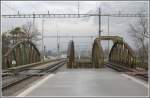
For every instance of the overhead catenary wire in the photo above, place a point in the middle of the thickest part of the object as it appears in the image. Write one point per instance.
(11, 8)
(69, 15)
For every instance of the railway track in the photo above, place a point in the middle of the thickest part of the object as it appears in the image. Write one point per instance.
(35, 73)
(133, 72)
(15, 70)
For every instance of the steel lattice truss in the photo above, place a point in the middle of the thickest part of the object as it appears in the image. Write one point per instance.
(23, 52)
(71, 55)
(121, 53)
(97, 54)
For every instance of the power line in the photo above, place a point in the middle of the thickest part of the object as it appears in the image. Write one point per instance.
(69, 15)
(13, 9)
(67, 36)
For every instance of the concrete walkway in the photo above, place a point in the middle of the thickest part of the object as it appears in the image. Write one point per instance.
(88, 82)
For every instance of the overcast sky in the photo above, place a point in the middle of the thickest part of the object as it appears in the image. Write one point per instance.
(74, 26)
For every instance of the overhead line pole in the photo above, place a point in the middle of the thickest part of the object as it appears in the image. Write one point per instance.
(33, 28)
(57, 44)
(78, 9)
(99, 22)
(108, 32)
(42, 40)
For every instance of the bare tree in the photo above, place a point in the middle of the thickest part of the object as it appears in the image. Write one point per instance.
(139, 31)
(31, 31)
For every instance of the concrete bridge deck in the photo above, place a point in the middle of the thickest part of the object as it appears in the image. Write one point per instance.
(87, 82)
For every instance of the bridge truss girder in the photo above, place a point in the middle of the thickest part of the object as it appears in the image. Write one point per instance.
(23, 52)
(121, 53)
(71, 55)
(97, 54)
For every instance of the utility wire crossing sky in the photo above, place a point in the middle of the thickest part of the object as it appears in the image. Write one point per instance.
(75, 26)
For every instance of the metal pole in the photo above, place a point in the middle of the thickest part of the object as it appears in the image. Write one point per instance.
(99, 22)
(108, 32)
(42, 40)
(33, 24)
(44, 51)
(57, 45)
(91, 46)
(78, 9)
(33, 20)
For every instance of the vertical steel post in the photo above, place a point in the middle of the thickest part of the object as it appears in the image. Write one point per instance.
(78, 9)
(108, 33)
(57, 45)
(44, 51)
(33, 23)
(42, 39)
(99, 22)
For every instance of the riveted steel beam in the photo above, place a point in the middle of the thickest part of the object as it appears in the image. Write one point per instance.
(122, 54)
(21, 53)
(71, 55)
(113, 38)
(97, 54)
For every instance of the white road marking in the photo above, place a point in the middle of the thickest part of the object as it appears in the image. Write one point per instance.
(27, 91)
(136, 80)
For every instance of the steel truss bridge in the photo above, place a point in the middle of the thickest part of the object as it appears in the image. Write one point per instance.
(25, 52)
(121, 53)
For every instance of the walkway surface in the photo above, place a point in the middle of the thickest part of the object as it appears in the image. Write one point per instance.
(88, 82)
